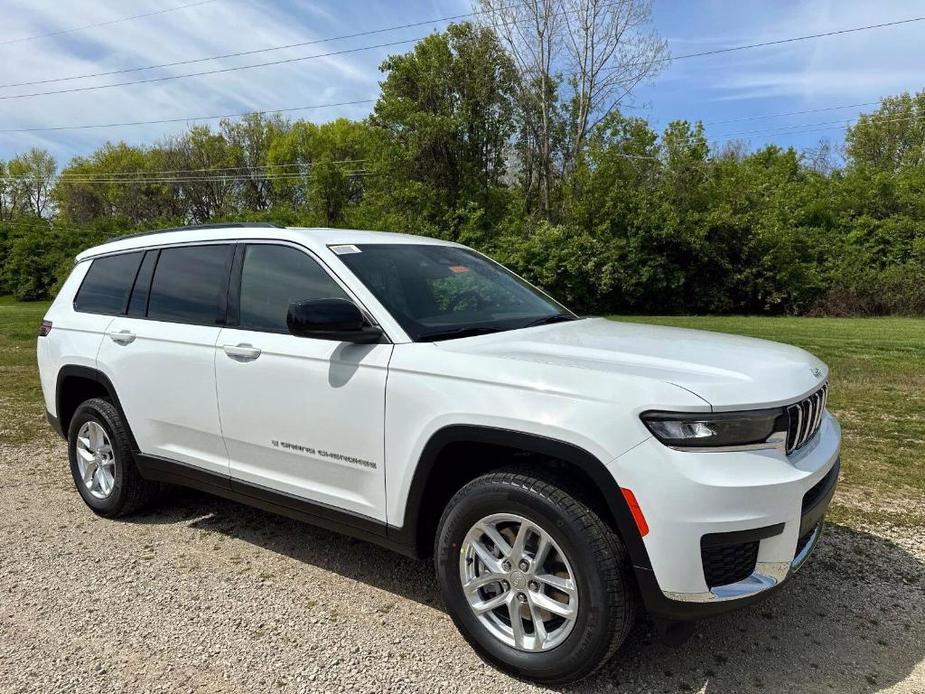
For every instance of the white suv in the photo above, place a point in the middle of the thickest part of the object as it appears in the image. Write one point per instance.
(414, 393)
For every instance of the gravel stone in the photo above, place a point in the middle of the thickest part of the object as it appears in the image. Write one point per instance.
(206, 595)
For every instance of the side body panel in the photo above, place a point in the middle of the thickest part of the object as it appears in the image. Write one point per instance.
(306, 417)
(431, 388)
(165, 379)
(75, 338)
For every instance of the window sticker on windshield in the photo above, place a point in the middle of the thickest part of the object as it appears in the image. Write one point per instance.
(458, 268)
(345, 249)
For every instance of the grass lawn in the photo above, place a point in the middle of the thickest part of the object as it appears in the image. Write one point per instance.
(877, 389)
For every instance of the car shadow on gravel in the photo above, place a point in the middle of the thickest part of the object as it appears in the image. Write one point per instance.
(852, 620)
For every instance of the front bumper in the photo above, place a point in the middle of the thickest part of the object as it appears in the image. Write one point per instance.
(773, 503)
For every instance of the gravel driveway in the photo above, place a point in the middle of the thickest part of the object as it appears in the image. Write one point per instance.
(208, 595)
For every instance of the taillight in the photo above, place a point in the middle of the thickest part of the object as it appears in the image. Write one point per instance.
(45, 329)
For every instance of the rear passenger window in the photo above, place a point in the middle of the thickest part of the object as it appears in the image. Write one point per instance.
(272, 277)
(107, 284)
(190, 284)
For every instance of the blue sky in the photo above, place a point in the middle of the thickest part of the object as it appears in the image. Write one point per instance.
(836, 71)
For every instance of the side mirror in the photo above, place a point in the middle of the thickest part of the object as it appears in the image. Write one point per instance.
(330, 319)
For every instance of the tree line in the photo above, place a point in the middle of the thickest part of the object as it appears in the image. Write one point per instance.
(527, 156)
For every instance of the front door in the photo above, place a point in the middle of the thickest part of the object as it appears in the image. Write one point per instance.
(300, 416)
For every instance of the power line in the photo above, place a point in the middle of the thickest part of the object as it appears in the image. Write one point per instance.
(230, 178)
(818, 127)
(395, 43)
(216, 71)
(185, 119)
(788, 113)
(793, 39)
(239, 54)
(103, 24)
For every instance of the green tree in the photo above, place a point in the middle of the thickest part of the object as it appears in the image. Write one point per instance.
(891, 138)
(447, 109)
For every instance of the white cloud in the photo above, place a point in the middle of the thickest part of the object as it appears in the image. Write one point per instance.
(210, 29)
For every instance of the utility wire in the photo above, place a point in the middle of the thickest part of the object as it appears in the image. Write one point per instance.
(395, 43)
(794, 39)
(239, 54)
(782, 115)
(7, 42)
(216, 71)
(186, 119)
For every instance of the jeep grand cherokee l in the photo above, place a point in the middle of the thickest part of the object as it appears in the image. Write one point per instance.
(414, 393)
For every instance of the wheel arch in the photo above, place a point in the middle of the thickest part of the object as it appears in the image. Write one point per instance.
(424, 492)
(77, 384)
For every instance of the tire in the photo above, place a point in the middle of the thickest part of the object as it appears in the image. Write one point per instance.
(125, 490)
(604, 591)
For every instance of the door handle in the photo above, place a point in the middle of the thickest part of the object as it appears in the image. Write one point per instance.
(242, 352)
(122, 337)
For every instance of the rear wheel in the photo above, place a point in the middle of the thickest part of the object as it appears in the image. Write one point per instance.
(102, 465)
(534, 579)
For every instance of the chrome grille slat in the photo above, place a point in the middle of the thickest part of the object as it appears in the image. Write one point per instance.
(806, 418)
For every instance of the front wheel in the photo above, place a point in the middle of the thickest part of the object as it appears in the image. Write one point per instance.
(536, 582)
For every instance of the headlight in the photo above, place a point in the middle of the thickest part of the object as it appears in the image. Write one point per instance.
(751, 429)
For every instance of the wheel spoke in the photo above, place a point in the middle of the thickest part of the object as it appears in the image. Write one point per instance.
(566, 585)
(96, 438)
(539, 627)
(89, 472)
(542, 550)
(545, 602)
(87, 455)
(517, 549)
(106, 481)
(483, 580)
(491, 603)
(492, 532)
(517, 622)
(492, 563)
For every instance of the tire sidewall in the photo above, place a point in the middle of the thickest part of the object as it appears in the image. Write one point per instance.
(104, 414)
(589, 639)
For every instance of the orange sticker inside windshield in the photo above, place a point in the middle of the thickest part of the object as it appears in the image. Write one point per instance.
(458, 268)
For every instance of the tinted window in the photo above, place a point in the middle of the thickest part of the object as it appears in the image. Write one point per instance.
(189, 284)
(107, 284)
(139, 301)
(272, 277)
(442, 292)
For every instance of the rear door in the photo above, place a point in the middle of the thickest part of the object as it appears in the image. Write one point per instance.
(160, 355)
(301, 416)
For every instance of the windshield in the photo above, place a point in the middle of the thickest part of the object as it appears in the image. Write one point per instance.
(444, 292)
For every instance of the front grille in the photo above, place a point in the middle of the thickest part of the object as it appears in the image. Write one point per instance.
(806, 418)
(727, 564)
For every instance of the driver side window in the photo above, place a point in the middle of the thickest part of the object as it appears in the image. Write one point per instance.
(272, 277)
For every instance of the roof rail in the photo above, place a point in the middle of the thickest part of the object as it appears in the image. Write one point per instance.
(191, 227)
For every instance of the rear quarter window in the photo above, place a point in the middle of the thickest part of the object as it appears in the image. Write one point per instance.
(106, 287)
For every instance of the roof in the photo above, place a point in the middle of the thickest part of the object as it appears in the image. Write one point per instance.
(312, 237)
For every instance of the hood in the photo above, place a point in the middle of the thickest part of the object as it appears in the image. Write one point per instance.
(727, 371)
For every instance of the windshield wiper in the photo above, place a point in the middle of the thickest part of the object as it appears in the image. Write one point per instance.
(466, 331)
(546, 320)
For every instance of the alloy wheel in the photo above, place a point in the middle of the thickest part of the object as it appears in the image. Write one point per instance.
(96, 461)
(518, 582)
